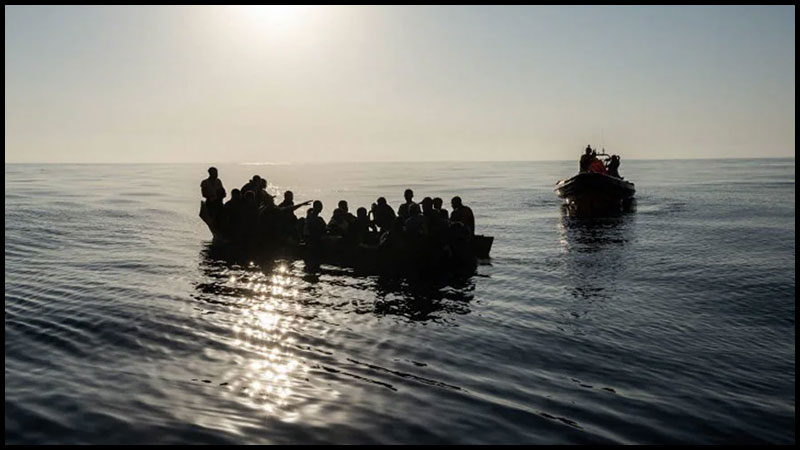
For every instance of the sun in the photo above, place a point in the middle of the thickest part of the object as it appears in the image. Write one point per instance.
(272, 20)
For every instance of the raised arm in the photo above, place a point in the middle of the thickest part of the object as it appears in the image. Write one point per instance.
(299, 205)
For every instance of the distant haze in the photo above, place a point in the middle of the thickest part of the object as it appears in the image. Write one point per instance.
(323, 83)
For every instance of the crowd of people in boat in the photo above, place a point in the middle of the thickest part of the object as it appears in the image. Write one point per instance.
(251, 215)
(591, 163)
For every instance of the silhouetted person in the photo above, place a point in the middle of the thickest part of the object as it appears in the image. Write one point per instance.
(434, 221)
(287, 226)
(428, 213)
(215, 204)
(263, 198)
(346, 212)
(462, 213)
(392, 243)
(613, 166)
(586, 159)
(459, 242)
(362, 229)
(341, 220)
(383, 215)
(249, 216)
(270, 218)
(288, 206)
(314, 227)
(210, 187)
(235, 200)
(249, 199)
(415, 224)
(437, 206)
(402, 211)
(337, 225)
(427, 206)
(288, 199)
(253, 185)
(213, 192)
(232, 211)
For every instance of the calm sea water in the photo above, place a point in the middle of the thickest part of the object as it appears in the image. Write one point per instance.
(675, 323)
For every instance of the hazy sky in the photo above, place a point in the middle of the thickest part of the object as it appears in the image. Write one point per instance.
(260, 84)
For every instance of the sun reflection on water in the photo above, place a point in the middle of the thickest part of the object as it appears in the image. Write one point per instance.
(263, 327)
(279, 327)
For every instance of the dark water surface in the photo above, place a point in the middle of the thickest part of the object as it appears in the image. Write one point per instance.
(672, 324)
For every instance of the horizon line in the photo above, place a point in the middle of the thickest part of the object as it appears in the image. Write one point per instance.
(279, 163)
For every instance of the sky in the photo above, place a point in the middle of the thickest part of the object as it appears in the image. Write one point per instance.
(228, 84)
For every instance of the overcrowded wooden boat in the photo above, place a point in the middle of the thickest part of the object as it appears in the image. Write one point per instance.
(459, 254)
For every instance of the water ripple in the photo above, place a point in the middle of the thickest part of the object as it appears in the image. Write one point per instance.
(671, 325)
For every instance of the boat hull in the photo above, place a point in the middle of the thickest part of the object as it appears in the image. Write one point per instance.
(596, 193)
(334, 250)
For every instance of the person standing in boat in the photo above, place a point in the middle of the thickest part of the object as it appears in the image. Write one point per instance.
(462, 213)
(211, 188)
(403, 210)
(211, 185)
(586, 159)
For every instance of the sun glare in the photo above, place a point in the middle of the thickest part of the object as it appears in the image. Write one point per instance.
(272, 19)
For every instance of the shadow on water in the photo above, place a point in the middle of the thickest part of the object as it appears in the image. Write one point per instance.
(595, 253)
(594, 234)
(422, 301)
(414, 298)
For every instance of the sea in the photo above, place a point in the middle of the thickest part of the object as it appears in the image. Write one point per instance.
(673, 323)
